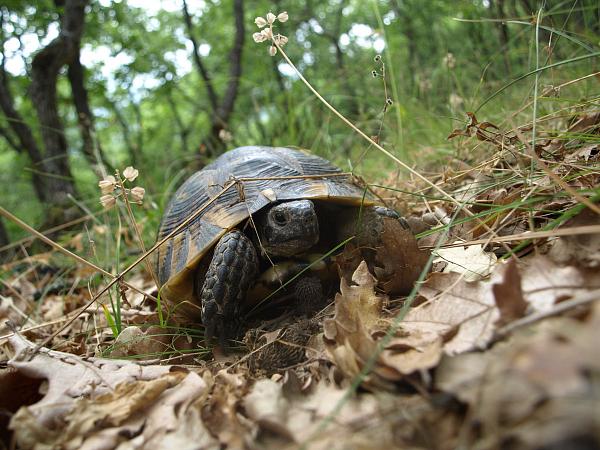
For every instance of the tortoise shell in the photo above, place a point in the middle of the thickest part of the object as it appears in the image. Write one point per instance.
(267, 169)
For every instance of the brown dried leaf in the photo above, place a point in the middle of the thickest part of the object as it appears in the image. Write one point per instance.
(584, 153)
(461, 312)
(466, 314)
(546, 283)
(350, 342)
(508, 295)
(423, 356)
(289, 416)
(535, 388)
(585, 121)
(397, 261)
(457, 132)
(104, 402)
(471, 261)
(581, 250)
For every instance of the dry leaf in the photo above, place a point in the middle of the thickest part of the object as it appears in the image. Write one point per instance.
(350, 336)
(546, 283)
(508, 295)
(471, 261)
(582, 249)
(396, 261)
(533, 390)
(106, 402)
(461, 312)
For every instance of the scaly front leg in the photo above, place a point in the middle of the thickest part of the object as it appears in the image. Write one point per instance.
(233, 268)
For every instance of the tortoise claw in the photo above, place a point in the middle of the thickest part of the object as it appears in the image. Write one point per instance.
(214, 328)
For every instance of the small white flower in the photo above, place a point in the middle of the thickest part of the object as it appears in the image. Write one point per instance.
(260, 22)
(281, 40)
(130, 173)
(271, 18)
(108, 184)
(108, 201)
(272, 50)
(137, 194)
(259, 37)
(225, 135)
(267, 33)
(449, 61)
(282, 17)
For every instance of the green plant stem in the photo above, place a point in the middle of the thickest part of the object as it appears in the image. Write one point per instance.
(535, 88)
(390, 64)
(525, 75)
(138, 235)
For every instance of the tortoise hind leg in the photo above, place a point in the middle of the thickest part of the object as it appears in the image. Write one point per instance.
(232, 270)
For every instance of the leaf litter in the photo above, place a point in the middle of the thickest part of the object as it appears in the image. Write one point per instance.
(496, 349)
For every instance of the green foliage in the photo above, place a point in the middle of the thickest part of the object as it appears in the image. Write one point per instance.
(442, 58)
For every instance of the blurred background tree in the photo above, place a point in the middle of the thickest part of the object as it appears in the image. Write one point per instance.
(87, 86)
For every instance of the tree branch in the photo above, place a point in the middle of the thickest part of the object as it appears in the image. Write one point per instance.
(24, 136)
(212, 95)
(9, 139)
(91, 147)
(45, 66)
(235, 64)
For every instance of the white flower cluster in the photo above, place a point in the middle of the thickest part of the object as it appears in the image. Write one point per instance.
(449, 61)
(109, 184)
(266, 34)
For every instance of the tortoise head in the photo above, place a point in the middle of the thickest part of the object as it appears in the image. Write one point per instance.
(288, 228)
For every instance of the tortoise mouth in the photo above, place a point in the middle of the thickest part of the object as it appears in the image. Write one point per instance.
(290, 247)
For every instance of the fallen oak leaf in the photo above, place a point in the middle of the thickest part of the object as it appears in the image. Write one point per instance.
(580, 250)
(471, 261)
(508, 295)
(535, 387)
(391, 252)
(103, 402)
(461, 312)
(351, 336)
(410, 359)
(468, 314)
(546, 283)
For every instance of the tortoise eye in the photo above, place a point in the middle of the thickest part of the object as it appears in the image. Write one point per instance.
(279, 218)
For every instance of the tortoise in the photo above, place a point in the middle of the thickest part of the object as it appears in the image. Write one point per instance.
(287, 203)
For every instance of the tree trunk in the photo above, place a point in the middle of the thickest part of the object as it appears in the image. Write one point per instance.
(408, 29)
(91, 147)
(45, 68)
(26, 141)
(212, 144)
(132, 148)
(202, 71)
(183, 130)
(5, 255)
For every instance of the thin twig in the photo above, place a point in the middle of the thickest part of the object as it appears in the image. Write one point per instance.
(561, 307)
(572, 231)
(60, 248)
(48, 231)
(556, 178)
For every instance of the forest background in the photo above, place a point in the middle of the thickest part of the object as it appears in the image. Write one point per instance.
(90, 87)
